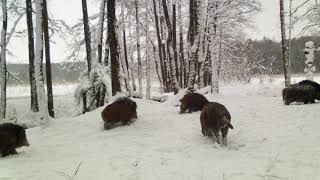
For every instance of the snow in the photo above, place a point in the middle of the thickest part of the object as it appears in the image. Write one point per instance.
(270, 141)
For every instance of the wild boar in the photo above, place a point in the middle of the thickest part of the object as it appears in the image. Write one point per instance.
(122, 110)
(305, 93)
(215, 118)
(12, 136)
(192, 102)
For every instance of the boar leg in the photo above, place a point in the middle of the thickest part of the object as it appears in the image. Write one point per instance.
(203, 131)
(125, 123)
(217, 136)
(182, 109)
(312, 101)
(9, 150)
(107, 126)
(208, 132)
(286, 102)
(224, 133)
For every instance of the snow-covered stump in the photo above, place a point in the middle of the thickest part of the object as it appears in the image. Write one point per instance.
(309, 52)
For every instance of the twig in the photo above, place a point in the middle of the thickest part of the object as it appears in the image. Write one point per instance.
(15, 78)
(67, 176)
(76, 172)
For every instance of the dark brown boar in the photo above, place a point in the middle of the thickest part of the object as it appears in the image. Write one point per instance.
(122, 110)
(12, 136)
(314, 84)
(305, 93)
(192, 102)
(215, 118)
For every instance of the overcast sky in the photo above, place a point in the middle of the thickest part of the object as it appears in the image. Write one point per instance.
(266, 23)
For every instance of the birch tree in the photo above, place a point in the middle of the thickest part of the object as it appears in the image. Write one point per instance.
(87, 35)
(159, 40)
(212, 29)
(174, 41)
(102, 89)
(194, 39)
(286, 69)
(148, 88)
(113, 43)
(170, 48)
(33, 87)
(133, 79)
(3, 68)
(124, 59)
(48, 58)
(101, 26)
(138, 48)
(183, 79)
(43, 106)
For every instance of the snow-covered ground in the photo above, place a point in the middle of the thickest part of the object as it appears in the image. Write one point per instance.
(270, 141)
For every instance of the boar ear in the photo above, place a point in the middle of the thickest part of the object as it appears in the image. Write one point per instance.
(230, 126)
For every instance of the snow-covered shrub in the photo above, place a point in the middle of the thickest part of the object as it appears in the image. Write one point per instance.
(90, 85)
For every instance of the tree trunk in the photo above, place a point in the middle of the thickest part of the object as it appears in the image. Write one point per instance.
(194, 40)
(101, 25)
(163, 73)
(290, 34)
(133, 79)
(43, 109)
(125, 51)
(181, 46)
(157, 66)
(87, 35)
(286, 69)
(212, 29)
(87, 38)
(106, 53)
(148, 88)
(203, 48)
(101, 90)
(48, 60)
(3, 68)
(174, 39)
(138, 48)
(113, 43)
(33, 87)
(170, 49)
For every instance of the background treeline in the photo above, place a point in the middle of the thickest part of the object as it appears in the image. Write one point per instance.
(271, 53)
(61, 72)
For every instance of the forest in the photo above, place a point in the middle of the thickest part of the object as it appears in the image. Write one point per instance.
(159, 89)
